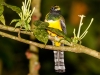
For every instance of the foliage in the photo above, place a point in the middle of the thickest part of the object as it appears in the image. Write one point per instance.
(14, 8)
(24, 13)
(40, 32)
(2, 20)
(77, 38)
(76, 63)
(40, 29)
(1, 7)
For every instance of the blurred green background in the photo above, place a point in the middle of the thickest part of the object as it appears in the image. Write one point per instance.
(12, 52)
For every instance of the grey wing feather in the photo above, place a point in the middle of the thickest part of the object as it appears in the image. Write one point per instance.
(63, 26)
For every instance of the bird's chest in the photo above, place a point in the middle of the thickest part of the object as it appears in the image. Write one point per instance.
(55, 24)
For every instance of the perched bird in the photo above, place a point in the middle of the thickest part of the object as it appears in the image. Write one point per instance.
(55, 20)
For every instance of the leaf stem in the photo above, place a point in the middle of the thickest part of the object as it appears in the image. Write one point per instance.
(80, 25)
(86, 30)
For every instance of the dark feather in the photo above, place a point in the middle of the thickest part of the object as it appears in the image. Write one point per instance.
(63, 26)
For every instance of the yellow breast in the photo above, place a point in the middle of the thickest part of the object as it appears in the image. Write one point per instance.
(55, 24)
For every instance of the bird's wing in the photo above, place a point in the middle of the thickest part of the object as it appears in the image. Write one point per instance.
(63, 26)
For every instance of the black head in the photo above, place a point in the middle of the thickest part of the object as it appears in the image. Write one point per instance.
(55, 9)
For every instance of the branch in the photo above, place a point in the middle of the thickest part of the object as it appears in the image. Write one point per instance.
(75, 48)
(12, 29)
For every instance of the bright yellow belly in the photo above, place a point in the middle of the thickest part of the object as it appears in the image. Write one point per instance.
(56, 25)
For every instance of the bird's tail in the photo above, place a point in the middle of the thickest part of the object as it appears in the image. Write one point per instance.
(59, 61)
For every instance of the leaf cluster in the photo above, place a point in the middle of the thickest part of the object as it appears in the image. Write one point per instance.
(40, 27)
(40, 31)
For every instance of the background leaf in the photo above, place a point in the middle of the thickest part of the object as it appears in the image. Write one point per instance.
(14, 8)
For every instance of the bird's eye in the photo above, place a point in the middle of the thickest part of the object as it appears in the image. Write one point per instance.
(53, 8)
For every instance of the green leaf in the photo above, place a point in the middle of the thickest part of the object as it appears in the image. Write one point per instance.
(14, 8)
(68, 39)
(59, 33)
(18, 24)
(56, 31)
(27, 26)
(2, 19)
(22, 23)
(1, 9)
(37, 23)
(1, 1)
(41, 24)
(41, 35)
(14, 20)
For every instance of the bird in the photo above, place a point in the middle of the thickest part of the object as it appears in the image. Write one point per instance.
(56, 20)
